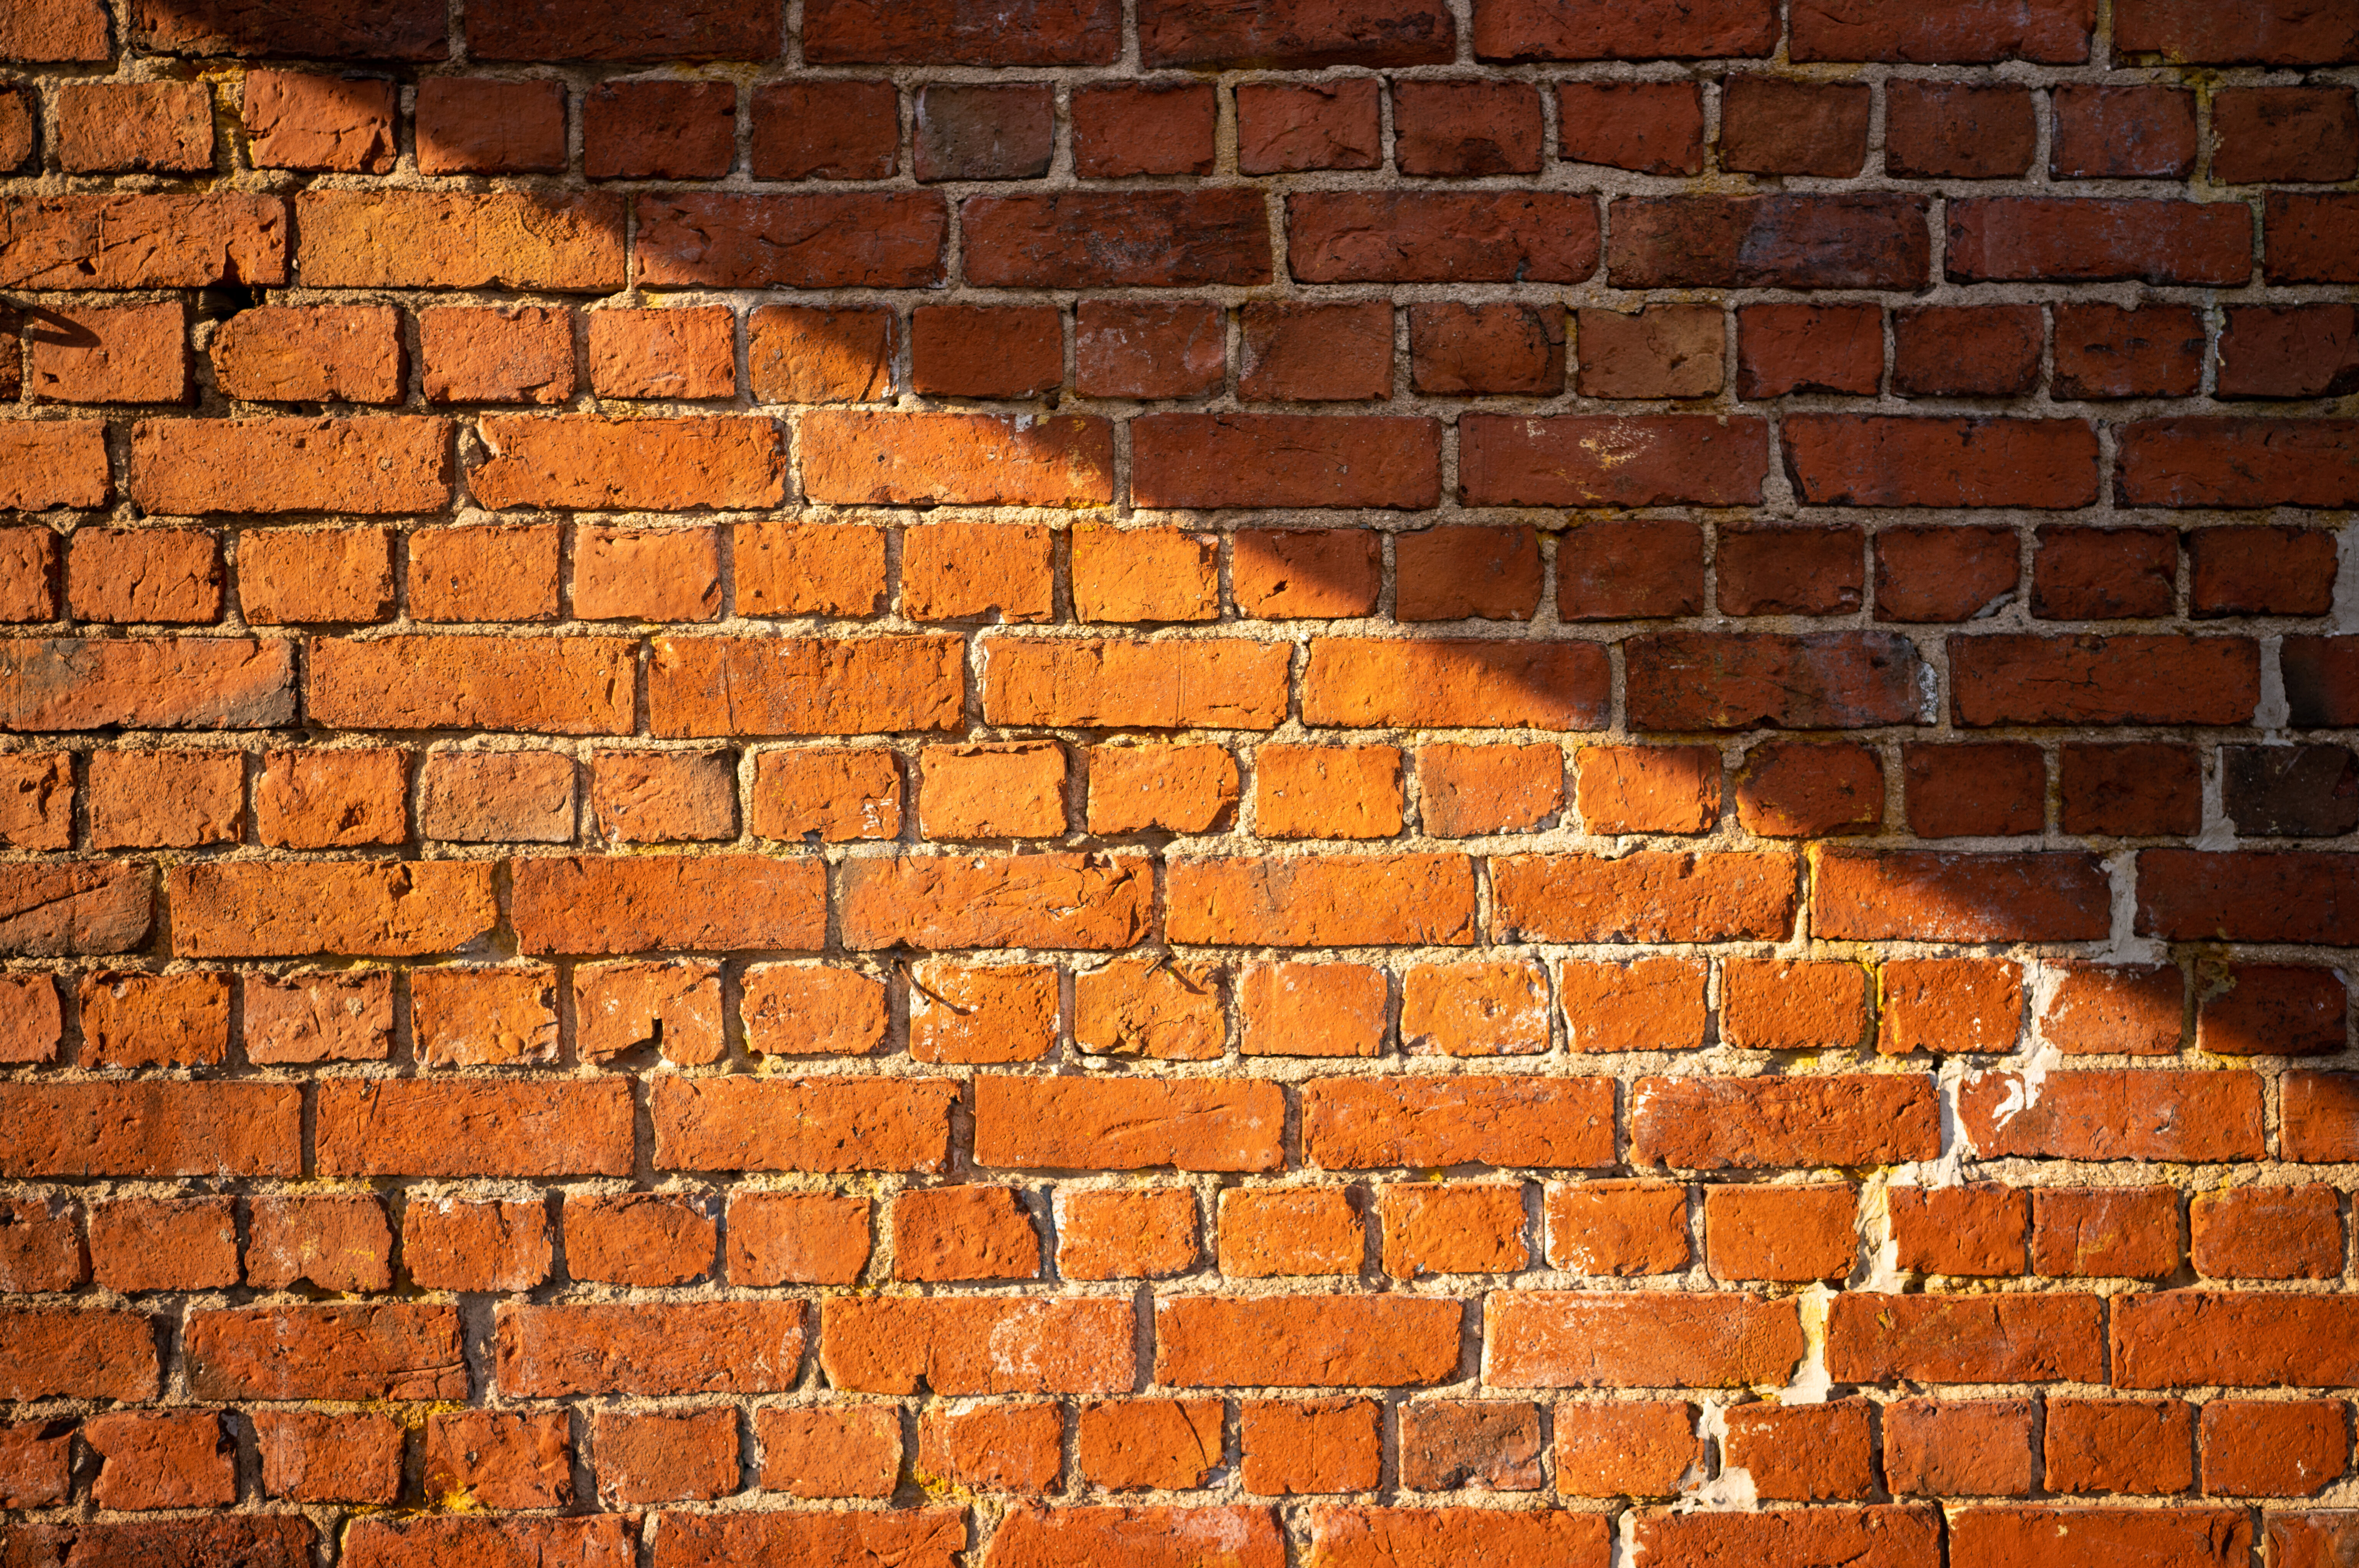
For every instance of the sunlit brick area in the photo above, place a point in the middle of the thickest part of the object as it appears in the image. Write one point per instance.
(1177, 783)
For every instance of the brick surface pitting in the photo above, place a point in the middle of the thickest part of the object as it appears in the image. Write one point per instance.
(1356, 782)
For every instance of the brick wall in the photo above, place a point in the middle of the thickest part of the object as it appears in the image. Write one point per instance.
(1357, 782)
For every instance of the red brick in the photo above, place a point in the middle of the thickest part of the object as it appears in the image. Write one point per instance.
(984, 133)
(2321, 1117)
(1170, 238)
(49, 31)
(1890, 1537)
(1583, 460)
(1460, 1228)
(638, 1239)
(1785, 570)
(2105, 1232)
(78, 1354)
(2194, 32)
(171, 576)
(149, 241)
(2105, 350)
(773, 1124)
(798, 686)
(1973, 1448)
(845, 1451)
(374, 466)
(497, 796)
(2313, 669)
(1610, 570)
(684, 353)
(475, 125)
(518, 353)
(2188, 895)
(802, 1238)
(2123, 132)
(1803, 1452)
(968, 351)
(1791, 1233)
(34, 1024)
(1162, 1537)
(1809, 348)
(2260, 572)
(164, 1244)
(1177, 788)
(2133, 1011)
(2052, 32)
(2137, 1446)
(1304, 1341)
(2267, 1233)
(1128, 1124)
(1097, 902)
(656, 797)
(1992, 790)
(1152, 1009)
(350, 354)
(1647, 1004)
(54, 463)
(435, 239)
(1144, 574)
(307, 1457)
(1311, 1009)
(703, 29)
(902, 459)
(1474, 349)
(975, 1345)
(884, 239)
(977, 1013)
(1266, 1233)
(1125, 1233)
(1144, 128)
(2271, 1010)
(1951, 1005)
(2280, 1448)
(2096, 574)
(1663, 351)
(1689, 681)
(1465, 129)
(1964, 1339)
(1608, 1229)
(1976, 1232)
(1947, 572)
(1365, 1124)
(1767, 1004)
(29, 574)
(161, 1460)
(2302, 351)
(1966, 351)
(1532, 29)
(1881, 461)
(1769, 242)
(1957, 130)
(1313, 353)
(1436, 237)
(332, 800)
(1647, 896)
(678, 1348)
(137, 126)
(1718, 1124)
(1299, 36)
(809, 569)
(1639, 1448)
(664, 130)
(1147, 1444)
(1773, 126)
(290, 910)
(2119, 1114)
(2180, 1338)
(1654, 127)
(2284, 132)
(993, 1448)
(1284, 460)
(676, 1005)
(2238, 462)
(1935, 896)
(405, 1351)
(1476, 1009)
(484, 1459)
(178, 799)
(825, 130)
(1309, 1446)
(1548, 1339)
(1366, 682)
(2088, 239)
(1287, 127)
(48, 911)
(453, 1244)
(1484, 1445)
(961, 32)
(336, 1242)
(1321, 791)
(122, 353)
(1468, 791)
(474, 1128)
(1147, 349)
(1328, 901)
(40, 1248)
(665, 1457)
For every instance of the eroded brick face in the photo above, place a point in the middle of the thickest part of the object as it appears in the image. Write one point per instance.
(1354, 782)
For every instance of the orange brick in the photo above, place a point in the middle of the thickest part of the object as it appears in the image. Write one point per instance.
(335, 1243)
(2268, 1233)
(330, 799)
(169, 576)
(158, 799)
(1978, 1231)
(29, 574)
(315, 576)
(485, 1018)
(1644, 1448)
(673, 1005)
(796, 1239)
(1802, 1453)
(1177, 788)
(810, 569)
(1309, 1446)
(1145, 574)
(639, 1238)
(802, 1009)
(655, 797)
(1136, 1445)
(1768, 1003)
(968, 571)
(685, 354)
(994, 1448)
(1950, 1004)
(1792, 1233)
(1316, 574)
(1647, 1003)
(1476, 1009)
(646, 574)
(979, 1013)
(1126, 1234)
(1647, 788)
(490, 1460)
(665, 1457)
(1012, 790)
(1311, 1009)
(501, 572)
(1271, 1231)
(827, 794)
(111, 353)
(347, 353)
(1466, 790)
(1150, 1008)
(803, 355)
(36, 798)
(515, 354)
(950, 1233)
(153, 1021)
(1327, 792)
(1457, 1227)
(841, 1451)
(1958, 1448)
(1617, 1227)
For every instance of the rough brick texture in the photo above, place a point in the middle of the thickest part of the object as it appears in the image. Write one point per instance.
(1011, 783)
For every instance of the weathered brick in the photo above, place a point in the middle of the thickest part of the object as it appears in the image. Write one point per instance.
(1093, 901)
(1114, 239)
(679, 1348)
(831, 1124)
(419, 239)
(1369, 682)
(1128, 1124)
(956, 1346)
(1840, 1119)
(395, 1351)
(2114, 1113)
(120, 240)
(1421, 1121)
(293, 910)
(1548, 1339)
(474, 1126)
(1590, 460)
(1328, 901)
(1938, 895)
(1875, 241)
